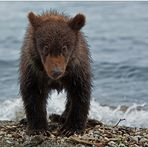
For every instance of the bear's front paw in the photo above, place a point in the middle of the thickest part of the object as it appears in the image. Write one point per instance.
(68, 130)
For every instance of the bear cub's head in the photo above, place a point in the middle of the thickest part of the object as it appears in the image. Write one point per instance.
(55, 37)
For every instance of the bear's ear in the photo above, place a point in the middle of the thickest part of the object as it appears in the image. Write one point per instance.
(77, 22)
(34, 20)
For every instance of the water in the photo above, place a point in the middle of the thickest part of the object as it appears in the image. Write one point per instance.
(117, 33)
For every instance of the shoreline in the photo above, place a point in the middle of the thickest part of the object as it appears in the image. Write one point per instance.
(96, 134)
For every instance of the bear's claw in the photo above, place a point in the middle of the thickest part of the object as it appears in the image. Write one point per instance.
(68, 131)
(38, 132)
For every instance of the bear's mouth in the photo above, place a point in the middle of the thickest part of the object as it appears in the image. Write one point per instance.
(55, 76)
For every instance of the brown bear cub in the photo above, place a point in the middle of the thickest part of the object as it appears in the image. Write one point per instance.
(55, 55)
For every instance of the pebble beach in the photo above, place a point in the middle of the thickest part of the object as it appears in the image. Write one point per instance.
(96, 134)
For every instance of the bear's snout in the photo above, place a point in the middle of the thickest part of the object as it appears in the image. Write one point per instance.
(55, 66)
(56, 73)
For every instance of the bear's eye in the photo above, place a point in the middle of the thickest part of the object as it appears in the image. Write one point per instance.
(45, 50)
(64, 49)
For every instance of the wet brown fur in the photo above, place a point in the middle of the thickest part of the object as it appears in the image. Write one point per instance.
(54, 40)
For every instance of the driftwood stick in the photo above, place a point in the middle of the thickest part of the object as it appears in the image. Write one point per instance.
(74, 139)
(119, 122)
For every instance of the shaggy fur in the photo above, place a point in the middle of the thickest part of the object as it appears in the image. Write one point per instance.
(54, 41)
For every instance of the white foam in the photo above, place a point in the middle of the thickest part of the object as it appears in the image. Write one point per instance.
(132, 116)
(13, 110)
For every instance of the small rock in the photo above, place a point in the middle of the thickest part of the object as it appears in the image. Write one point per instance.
(91, 132)
(135, 138)
(106, 139)
(8, 141)
(108, 135)
(96, 134)
(138, 133)
(52, 136)
(62, 140)
(142, 140)
(9, 135)
(120, 132)
(126, 142)
(16, 136)
(112, 143)
(146, 135)
(126, 135)
(134, 145)
(97, 126)
(113, 131)
(1, 132)
(121, 145)
(101, 137)
(146, 144)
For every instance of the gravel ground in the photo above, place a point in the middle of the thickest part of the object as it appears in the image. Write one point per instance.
(96, 134)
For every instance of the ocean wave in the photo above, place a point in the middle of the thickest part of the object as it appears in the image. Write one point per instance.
(120, 70)
(135, 115)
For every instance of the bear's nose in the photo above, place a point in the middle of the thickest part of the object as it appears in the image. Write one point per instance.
(56, 72)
